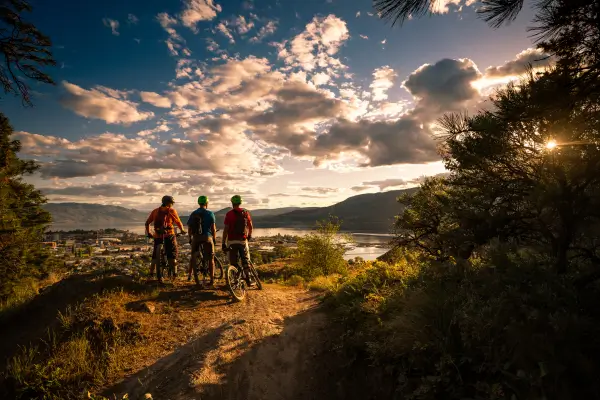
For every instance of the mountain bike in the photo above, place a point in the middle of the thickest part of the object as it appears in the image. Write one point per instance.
(163, 269)
(201, 268)
(239, 280)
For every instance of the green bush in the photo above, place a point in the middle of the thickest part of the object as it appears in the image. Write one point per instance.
(458, 331)
(322, 252)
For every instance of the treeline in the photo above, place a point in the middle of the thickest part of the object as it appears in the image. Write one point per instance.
(492, 290)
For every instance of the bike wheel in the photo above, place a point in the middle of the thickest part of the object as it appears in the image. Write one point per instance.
(236, 283)
(196, 268)
(255, 276)
(218, 268)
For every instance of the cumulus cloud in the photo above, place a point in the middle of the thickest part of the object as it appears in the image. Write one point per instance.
(383, 79)
(222, 27)
(320, 79)
(112, 24)
(320, 40)
(175, 43)
(404, 141)
(95, 103)
(198, 10)
(155, 99)
(241, 25)
(443, 87)
(535, 58)
(268, 29)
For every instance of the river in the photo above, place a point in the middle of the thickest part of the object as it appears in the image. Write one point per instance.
(369, 246)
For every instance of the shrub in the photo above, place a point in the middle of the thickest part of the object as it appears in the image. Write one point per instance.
(322, 252)
(455, 331)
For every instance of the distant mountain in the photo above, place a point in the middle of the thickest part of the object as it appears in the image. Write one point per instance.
(371, 212)
(81, 214)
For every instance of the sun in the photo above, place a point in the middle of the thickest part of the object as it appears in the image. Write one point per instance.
(551, 144)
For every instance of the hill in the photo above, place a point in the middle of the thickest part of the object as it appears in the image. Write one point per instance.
(93, 214)
(371, 212)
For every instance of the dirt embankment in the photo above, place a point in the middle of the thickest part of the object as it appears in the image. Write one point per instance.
(277, 344)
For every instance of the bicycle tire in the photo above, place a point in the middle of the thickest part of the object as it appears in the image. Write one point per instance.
(218, 268)
(259, 285)
(236, 283)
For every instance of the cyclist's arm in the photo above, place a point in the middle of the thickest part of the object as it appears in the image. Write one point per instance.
(225, 231)
(213, 230)
(177, 220)
(149, 221)
(250, 226)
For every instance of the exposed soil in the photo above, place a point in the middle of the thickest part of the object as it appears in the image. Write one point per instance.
(200, 344)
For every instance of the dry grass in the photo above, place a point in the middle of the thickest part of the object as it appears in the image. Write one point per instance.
(101, 341)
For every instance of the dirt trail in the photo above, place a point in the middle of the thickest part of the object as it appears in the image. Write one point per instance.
(262, 348)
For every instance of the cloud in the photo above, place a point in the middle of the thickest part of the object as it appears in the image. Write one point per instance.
(98, 190)
(161, 127)
(175, 43)
(364, 37)
(112, 24)
(165, 20)
(360, 188)
(404, 141)
(321, 190)
(529, 57)
(94, 103)
(222, 27)
(357, 14)
(268, 29)
(445, 86)
(242, 26)
(155, 99)
(320, 79)
(386, 183)
(320, 40)
(383, 79)
(132, 19)
(198, 10)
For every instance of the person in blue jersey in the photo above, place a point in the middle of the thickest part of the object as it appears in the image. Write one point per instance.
(202, 232)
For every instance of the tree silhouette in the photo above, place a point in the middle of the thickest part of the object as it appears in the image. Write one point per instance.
(25, 50)
(495, 12)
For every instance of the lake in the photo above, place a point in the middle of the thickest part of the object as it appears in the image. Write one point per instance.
(370, 245)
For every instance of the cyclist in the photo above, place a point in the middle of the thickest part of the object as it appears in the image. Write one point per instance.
(237, 232)
(202, 232)
(163, 218)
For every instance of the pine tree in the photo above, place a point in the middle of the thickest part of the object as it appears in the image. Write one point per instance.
(22, 218)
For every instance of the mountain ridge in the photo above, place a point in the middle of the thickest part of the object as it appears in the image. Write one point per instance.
(369, 212)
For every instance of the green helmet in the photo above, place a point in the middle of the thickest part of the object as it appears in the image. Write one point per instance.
(202, 200)
(237, 199)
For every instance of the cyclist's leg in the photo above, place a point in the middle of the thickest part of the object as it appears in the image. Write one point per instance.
(245, 256)
(171, 253)
(233, 254)
(208, 252)
(194, 256)
(154, 262)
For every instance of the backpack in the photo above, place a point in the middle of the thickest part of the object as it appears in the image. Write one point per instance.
(195, 223)
(162, 223)
(241, 222)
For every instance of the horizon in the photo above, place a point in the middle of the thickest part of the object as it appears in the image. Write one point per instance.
(302, 106)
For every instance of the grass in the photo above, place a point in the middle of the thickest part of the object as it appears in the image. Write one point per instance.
(95, 342)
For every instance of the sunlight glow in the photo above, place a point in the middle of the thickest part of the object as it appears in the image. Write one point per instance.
(551, 144)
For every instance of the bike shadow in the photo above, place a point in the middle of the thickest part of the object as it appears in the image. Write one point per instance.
(185, 297)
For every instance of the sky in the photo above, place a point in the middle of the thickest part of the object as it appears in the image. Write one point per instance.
(287, 103)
